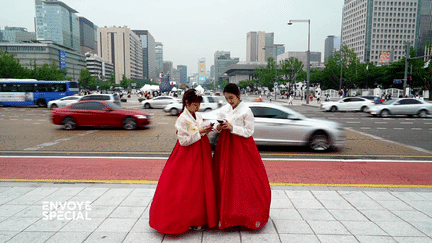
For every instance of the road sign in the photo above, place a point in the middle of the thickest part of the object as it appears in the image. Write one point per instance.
(276, 84)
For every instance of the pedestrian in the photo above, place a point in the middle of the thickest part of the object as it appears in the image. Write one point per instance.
(185, 194)
(242, 188)
(291, 98)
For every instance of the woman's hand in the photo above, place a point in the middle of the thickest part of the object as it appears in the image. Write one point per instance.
(227, 125)
(204, 130)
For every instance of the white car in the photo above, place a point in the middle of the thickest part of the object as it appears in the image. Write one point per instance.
(63, 101)
(279, 125)
(158, 102)
(209, 103)
(403, 106)
(348, 104)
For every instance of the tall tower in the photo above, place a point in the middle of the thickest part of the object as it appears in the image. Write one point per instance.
(259, 46)
(159, 58)
(121, 47)
(372, 28)
(149, 54)
(331, 44)
(58, 22)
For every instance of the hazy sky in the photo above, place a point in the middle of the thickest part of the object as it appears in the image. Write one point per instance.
(193, 29)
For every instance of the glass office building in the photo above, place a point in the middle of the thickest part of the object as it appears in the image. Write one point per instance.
(57, 22)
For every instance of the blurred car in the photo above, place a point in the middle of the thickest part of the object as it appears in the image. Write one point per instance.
(347, 104)
(98, 114)
(278, 125)
(209, 103)
(158, 102)
(402, 106)
(376, 99)
(63, 101)
(114, 98)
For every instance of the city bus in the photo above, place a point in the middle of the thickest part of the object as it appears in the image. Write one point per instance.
(27, 92)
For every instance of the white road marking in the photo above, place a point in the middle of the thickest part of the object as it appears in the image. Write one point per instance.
(407, 123)
(416, 128)
(399, 128)
(381, 128)
(365, 128)
(381, 122)
(43, 145)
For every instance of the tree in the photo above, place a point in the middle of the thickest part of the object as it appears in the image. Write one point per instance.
(125, 82)
(268, 75)
(86, 80)
(49, 72)
(10, 66)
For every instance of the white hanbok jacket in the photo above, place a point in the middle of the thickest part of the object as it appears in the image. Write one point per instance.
(241, 118)
(188, 128)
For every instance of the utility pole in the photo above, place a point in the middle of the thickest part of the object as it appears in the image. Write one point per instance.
(406, 67)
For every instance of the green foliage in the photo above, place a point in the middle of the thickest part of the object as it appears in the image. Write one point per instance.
(247, 83)
(86, 80)
(10, 66)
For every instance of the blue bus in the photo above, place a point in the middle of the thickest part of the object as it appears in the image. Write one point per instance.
(23, 92)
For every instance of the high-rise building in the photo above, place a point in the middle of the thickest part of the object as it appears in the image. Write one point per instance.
(331, 44)
(259, 46)
(149, 54)
(425, 27)
(121, 47)
(159, 57)
(88, 36)
(222, 60)
(17, 35)
(57, 22)
(183, 73)
(167, 67)
(374, 27)
(279, 49)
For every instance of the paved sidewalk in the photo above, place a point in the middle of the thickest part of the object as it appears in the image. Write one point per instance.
(119, 213)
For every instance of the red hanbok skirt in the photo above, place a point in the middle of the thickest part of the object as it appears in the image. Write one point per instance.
(243, 193)
(185, 194)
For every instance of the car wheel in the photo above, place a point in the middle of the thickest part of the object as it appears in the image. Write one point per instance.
(69, 123)
(129, 123)
(333, 109)
(53, 106)
(41, 103)
(363, 109)
(385, 113)
(422, 113)
(147, 105)
(174, 112)
(208, 109)
(319, 142)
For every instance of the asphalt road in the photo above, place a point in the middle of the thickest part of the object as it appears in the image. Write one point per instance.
(28, 131)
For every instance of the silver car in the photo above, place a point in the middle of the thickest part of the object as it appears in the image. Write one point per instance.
(278, 125)
(402, 106)
(63, 101)
(158, 102)
(348, 104)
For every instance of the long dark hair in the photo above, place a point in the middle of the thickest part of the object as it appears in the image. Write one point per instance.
(190, 96)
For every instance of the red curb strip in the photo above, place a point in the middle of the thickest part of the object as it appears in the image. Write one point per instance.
(280, 172)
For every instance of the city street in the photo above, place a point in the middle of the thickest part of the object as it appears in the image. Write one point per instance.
(28, 131)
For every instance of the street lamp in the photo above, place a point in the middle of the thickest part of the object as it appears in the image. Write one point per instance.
(308, 54)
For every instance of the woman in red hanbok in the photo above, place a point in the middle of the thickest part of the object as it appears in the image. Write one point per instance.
(243, 192)
(185, 194)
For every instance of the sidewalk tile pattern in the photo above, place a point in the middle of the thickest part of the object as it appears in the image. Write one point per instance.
(120, 213)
